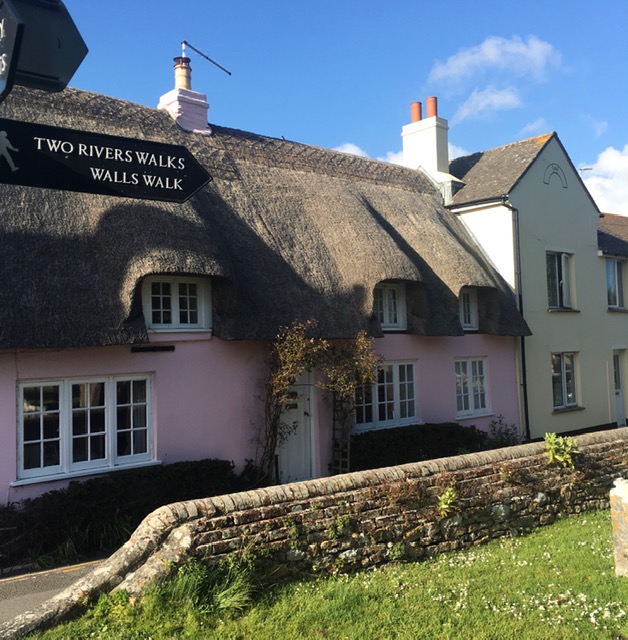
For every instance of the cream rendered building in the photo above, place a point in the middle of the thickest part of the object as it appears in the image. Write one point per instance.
(529, 210)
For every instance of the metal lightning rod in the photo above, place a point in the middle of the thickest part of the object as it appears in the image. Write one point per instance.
(200, 53)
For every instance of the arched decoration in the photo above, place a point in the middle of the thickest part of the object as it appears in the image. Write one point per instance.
(554, 169)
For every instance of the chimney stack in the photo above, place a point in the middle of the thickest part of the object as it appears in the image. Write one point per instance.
(426, 146)
(188, 108)
(425, 141)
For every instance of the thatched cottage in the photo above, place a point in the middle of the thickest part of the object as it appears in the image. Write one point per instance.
(136, 331)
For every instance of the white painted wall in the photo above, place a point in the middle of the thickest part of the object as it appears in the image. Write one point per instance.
(557, 217)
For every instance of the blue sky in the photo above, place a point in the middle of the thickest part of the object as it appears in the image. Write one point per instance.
(342, 73)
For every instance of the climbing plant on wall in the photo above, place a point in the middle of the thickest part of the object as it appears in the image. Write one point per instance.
(342, 365)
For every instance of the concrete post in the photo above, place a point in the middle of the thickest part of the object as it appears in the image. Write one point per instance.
(619, 517)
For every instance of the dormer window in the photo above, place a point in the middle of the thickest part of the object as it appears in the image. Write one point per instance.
(389, 306)
(176, 303)
(468, 305)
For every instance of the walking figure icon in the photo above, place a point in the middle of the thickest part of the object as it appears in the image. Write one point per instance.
(5, 147)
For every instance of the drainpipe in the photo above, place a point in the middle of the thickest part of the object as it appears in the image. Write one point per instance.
(518, 285)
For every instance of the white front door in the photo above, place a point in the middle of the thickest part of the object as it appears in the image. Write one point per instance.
(295, 454)
(618, 377)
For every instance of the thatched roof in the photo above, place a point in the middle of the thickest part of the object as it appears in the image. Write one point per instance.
(286, 231)
(612, 234)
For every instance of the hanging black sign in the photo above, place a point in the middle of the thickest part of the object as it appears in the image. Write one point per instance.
(37, 155)
(11, 30)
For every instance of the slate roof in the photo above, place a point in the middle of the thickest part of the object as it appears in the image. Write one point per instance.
(492, 174)
(612, 234)
(286, 232)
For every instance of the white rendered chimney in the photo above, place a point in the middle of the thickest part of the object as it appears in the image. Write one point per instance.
(188, 108)
(426, 146)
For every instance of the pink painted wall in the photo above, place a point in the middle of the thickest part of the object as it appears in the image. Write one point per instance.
(206, 392)
(434, 357)
(205, 397)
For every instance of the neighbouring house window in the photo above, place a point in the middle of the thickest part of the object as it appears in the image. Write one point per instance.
(468, 306)
(615, 283)
(471, 387)
(559, 280)
(177, 304)
(564, 380)
(389, 305)
(69, 426)
(391, 401)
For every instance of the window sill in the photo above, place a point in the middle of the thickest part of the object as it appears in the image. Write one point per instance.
(82, 474)
(389, 329)
(617, 310)
(170, 335)
(562, 310)
(473, 416)
(568, 409)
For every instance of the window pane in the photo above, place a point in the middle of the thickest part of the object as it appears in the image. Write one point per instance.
(32, 428)
(123, 418)
(139, 417)
(32, 456)
(611, 283)
(139, 391)
(123, 392)
(51, 454)
(124, 443)
(31, 399)
(570, 383)
(97, 447)
(79, 450)
(557, 380)
(97, 421)
(553, 279)
(139, 441)
(79, 422)
(51, 426)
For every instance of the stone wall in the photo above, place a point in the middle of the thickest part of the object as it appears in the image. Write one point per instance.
(358, 520)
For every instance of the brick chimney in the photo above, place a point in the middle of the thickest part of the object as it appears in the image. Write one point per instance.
(188, 108)
(426, 146)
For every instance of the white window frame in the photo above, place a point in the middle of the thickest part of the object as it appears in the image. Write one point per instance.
(468, 308)
(176, 299)
(564, 369)
(559, 281)
(389, 306)
(472, 390)
(391, 401)
(615, 283)
(138, 410)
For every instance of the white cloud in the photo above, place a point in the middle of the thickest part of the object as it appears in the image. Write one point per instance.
(480, 103)
(523, 58)
(600, 127)
(349, 147)
(534, 128)
(456, 152)
(608, 180)
(394, 157)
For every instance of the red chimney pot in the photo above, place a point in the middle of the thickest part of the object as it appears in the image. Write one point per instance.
(432, 106)
(417, 111)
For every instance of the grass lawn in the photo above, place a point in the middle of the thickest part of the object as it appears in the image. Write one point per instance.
(557, 582)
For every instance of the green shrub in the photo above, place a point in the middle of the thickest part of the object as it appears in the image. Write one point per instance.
(388, 447)
(96, 516)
